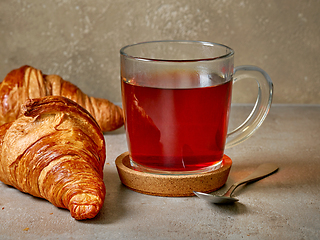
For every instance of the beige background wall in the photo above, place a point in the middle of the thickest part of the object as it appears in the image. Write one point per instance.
(80, 39)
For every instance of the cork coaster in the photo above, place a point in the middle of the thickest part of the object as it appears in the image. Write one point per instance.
(171, 185)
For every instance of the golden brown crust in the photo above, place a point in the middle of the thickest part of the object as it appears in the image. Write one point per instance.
(28, 83)
(11, 88)
(55, 150)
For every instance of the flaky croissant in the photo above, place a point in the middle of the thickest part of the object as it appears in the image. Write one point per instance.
(27, 83)
(55, 150)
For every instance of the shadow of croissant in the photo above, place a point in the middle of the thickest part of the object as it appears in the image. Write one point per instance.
(113, 209)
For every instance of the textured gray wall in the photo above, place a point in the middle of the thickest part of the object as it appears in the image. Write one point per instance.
(80, 39)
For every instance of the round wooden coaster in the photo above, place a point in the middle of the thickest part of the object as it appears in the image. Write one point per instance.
(171, 185)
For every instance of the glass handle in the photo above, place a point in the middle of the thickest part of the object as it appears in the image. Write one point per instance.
(261, 107)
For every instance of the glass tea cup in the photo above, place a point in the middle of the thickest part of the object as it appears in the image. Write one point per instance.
(176, 98)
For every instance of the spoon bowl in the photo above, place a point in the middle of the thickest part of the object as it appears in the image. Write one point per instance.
(262, 171)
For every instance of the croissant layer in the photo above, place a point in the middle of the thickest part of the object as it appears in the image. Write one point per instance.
(27, 82)
(55, 150)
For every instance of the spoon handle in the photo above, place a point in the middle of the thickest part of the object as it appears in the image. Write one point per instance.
(261, 172)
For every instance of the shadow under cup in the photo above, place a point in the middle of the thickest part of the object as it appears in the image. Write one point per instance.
(176, 98)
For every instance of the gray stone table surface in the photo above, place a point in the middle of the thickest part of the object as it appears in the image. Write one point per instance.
(284, 205)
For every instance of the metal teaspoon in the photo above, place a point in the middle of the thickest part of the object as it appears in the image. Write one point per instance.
(261, 172)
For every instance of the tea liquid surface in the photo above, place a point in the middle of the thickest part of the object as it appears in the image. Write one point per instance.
(179, 126)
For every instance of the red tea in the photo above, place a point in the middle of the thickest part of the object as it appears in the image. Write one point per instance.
(180, 126)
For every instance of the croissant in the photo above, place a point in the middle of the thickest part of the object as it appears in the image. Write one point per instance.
(55, 150)
(27, 83)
